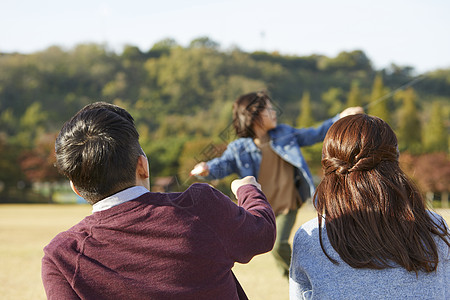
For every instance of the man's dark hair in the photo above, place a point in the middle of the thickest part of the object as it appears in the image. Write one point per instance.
(98, 149)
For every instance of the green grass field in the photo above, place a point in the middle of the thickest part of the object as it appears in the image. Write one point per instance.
(26, 229)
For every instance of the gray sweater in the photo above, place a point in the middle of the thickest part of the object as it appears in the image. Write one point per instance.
(314, 276)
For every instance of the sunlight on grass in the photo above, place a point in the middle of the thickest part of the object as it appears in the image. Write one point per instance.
(26, 229)
(260, 278)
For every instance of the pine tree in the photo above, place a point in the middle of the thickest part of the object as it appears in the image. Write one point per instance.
(305, 119)
(435, 137)
(409, 126)
(334, 99)
(354, 96)
(378, 105)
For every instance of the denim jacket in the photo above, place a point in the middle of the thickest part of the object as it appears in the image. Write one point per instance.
(243, 157)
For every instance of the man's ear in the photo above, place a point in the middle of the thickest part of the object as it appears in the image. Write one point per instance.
(142, 169)
(143, 172)
(74, 189)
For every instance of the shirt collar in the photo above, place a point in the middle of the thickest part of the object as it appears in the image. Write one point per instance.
(249, 145)
(119, 198)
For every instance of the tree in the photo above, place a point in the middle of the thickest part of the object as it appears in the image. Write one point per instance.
(186, 79)
(116, 88)
(305, 119)
(204, 42)
(8, 123)
(186, 93)
(409, 127)
(10, 174)
(430, 171)
(355, 60)
(378, 101)
(164, 154)
(164, 45)
(132, 53)
(38, 164)
(435, 136)
(399, 75)
(354, 96)
(334, 98)
(31, 124)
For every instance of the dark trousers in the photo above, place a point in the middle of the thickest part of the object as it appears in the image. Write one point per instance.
(282, 249)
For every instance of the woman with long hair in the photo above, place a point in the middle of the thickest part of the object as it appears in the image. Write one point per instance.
(271, 153)
(374, 237)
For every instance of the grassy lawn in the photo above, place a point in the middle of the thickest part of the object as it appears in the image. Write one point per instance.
(26, 229)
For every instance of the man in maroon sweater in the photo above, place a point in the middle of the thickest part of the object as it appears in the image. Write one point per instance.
(143, 245)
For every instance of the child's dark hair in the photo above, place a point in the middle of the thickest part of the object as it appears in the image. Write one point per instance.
(246, 112)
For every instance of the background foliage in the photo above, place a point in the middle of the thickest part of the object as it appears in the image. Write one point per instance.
(181, 99)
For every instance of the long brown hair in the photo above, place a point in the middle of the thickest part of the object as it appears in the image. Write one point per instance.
(374, 215)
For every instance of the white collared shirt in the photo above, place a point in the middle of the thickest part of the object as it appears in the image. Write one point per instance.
(119, 198)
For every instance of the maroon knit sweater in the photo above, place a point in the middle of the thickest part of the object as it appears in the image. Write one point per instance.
(160, 246)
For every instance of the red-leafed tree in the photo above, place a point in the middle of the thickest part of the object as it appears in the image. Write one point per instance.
(38, 164)
(431, 172)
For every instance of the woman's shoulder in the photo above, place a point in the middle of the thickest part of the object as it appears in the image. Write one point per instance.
(309, 226)
(308, 231)
(307, 241)
(436, 217)
(442, 227)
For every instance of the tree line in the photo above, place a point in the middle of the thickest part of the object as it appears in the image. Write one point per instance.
(181, 98)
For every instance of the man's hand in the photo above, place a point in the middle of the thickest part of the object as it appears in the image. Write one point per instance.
(351, 111)
(236, 184)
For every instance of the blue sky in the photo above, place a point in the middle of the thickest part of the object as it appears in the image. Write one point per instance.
(414, 33)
